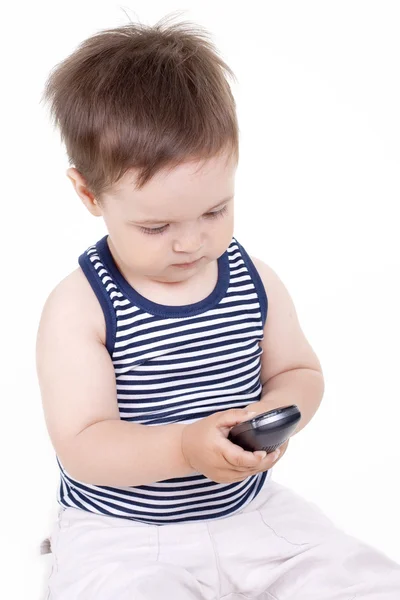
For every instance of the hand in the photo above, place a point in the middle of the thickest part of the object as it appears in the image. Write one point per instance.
(207, 450)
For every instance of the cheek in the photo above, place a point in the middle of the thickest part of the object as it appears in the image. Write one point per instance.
(138, 248)
(226, 228)
(151, 249)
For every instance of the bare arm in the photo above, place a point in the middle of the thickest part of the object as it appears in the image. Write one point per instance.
(77, 382)
(290, 370)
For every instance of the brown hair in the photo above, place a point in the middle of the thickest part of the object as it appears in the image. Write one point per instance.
(145, 97)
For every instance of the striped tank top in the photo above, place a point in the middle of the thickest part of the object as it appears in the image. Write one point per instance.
(177, 364)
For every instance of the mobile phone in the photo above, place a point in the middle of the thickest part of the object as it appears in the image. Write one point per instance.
(267, 431)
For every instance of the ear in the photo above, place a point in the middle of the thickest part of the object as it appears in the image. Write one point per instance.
(84, 194)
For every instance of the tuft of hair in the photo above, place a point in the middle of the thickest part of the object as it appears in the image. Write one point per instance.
(142, 97)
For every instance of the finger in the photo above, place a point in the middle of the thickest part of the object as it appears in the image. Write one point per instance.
(260, 453)
(266, 461)
(235, 456)
(234, 416)
(235, 474)
(270, 459)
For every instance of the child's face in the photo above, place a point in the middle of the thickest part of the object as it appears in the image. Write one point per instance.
(178, 217)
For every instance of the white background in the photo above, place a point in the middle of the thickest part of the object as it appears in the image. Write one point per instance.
(317, 198)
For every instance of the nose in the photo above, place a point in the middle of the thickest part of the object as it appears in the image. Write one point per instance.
(190, 241)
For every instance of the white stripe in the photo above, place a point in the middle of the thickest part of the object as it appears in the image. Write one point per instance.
(166, 505)
(237, 263)
(189, 327)
(137, 375)
(230, 351)
(123, 302)
(197, 407)
(241, 288)
(235, 298)
(241, 269)
(127, 311)
(115, 294)
(160, 353)
(242, 278)
(201, 392)
(136, 319)
(188, 382)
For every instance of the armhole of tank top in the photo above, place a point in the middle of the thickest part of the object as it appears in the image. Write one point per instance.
(260, 289)
(103, 298)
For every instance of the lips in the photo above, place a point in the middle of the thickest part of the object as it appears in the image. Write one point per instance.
(187, 265)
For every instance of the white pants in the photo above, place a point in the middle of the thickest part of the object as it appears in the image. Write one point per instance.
(279, 547)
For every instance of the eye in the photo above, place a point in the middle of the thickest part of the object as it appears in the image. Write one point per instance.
(217, 213)
(155, 230)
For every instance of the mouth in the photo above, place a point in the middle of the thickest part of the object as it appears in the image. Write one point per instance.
(189, 265)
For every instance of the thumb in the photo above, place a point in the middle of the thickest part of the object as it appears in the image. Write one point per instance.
(229, 418)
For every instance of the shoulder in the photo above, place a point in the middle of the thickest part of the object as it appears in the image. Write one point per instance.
(73, 304)
(279, 298)
(273, 284)
(266, 273)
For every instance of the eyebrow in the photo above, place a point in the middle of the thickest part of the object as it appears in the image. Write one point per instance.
(159, 222)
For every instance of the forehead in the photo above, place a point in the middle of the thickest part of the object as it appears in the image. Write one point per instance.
(183, 190)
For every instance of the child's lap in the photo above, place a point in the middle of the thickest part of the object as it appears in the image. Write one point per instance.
(274, 544)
